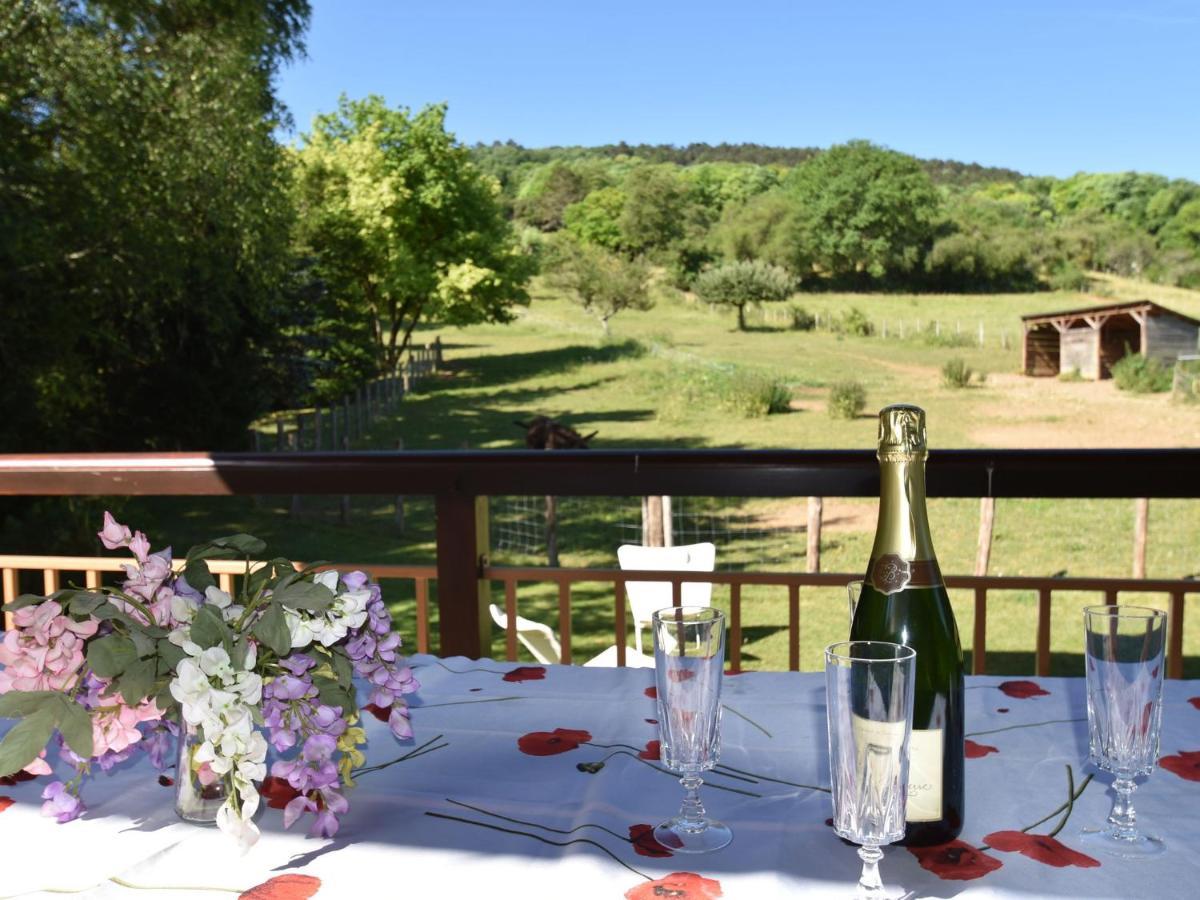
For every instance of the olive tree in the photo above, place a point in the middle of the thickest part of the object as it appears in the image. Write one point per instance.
(740, 284)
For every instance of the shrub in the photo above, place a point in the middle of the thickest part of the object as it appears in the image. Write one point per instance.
(846, 399)
(1070, 375)
(754, 394)
(956, 373)
(1140, 374)
(802, 319)
(854, 322)
(743, 392)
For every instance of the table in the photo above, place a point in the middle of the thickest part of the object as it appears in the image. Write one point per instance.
(542, 775)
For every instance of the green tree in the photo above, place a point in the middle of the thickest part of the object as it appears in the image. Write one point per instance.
(402, 224)
(1182, 231)
(144, 221)
(757, 229)
(863, 213)
(544, 197)
(602, 282)
(596, 219)
(653, 213)
(740, 284)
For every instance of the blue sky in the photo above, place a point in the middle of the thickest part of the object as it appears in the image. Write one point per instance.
(1050, 87)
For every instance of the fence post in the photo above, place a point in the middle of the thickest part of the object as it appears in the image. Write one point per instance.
(399, 515)
(437, 352)
(1141, 523)
(816, 508)
(987, 520)
(345, 502)
(317, 428)
(256, 500)
(461, 596)
(298, 434)
(668, 526)
(980, 332)
(279, 434)
(334, 442)
(347, 425)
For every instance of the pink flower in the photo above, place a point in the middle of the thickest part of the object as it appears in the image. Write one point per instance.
(114, 534)
(60, 803)
(45, 651)
(117, 729)
(139, 546)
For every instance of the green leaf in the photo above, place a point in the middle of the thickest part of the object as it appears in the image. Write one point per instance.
(164, 700)
(305, 595)
(198, 576)
(84, 603)
(272, 630)
(25, 741)
(76, 727)
(342, 668)
(143, 643)
(208, 628)
(22, 703)
(137, 681)
(233, 546)
(110, 655)
(169, 656)
(333, 694)
(23, 601)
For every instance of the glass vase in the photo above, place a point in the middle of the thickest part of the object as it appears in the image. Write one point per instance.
(199, 792)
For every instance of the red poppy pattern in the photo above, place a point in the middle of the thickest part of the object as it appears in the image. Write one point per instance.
(653, 751)
(284, 887)
(974, 750)
(1185, 764)
(526, 673)
(6, 802)
(550, 743)
(277, 792)
(955, 861)
(1023, 690)
(678, 675)
(651, 692)
(644, 842)
(378, 711)
(1195, 701)
(166, 781)
(680, 885)
(12, 780)
(1041, 847)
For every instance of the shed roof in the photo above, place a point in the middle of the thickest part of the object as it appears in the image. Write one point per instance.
(1099, 313)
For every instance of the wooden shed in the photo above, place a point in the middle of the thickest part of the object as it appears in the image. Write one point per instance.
(1091, 339)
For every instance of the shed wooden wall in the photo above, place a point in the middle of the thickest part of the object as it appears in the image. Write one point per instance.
(1041, 351)
(1118, 332)
(1168, 336)
(1079, 351)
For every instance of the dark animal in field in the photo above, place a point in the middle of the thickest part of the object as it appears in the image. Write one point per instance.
(543, 433)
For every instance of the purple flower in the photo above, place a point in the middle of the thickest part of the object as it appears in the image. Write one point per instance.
(318, 748)
(324, 825)
(297, 663)
(295, 808)
(354, 580)
(159, 745)
(60, 803)
(183, 589)
(399, 724)
(114, 534)
(329, 720)
(289, 687)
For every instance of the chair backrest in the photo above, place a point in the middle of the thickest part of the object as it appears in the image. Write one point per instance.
(537, 638)
(647, 596)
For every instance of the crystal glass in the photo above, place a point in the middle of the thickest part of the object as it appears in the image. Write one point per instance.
(1124, 654)
(869, 700)
(199, 792)
(853, 592)
(689, 658)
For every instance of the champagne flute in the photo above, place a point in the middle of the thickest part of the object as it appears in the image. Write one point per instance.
(869, 702)
(689, 657)
(1124, 654)
(853, 593)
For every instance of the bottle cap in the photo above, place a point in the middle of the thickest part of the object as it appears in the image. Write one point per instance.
(902, 433)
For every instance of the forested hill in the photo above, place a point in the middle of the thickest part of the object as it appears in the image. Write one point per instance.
(508, 153)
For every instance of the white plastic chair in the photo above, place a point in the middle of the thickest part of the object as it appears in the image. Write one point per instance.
(538, 639)
(647, 596)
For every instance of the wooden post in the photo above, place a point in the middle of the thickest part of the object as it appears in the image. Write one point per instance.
(347, 425)
(8, 593)
(299, 436)
(987, 520)
(279, 434)
(1141, 522)
(345, 503)
(407, 376)
(552, 531)
(317, 428)
(437, 352)
(652, 522)
(399, 515)
(362, 412)
(256, 500)
(816, 507)
(668, 526)
(460, 612)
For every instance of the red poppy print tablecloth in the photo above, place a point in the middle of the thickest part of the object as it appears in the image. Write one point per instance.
(530, 781)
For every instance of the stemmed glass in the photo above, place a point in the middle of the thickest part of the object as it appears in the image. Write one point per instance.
(689, 656)
(869, 698)
(1124, 653)
(853, 593)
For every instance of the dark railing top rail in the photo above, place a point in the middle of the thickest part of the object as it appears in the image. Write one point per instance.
(727, 473)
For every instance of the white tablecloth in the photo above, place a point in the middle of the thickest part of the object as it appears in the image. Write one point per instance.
(504, 807)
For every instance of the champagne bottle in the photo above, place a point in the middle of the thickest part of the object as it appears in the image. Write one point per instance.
(904, 601)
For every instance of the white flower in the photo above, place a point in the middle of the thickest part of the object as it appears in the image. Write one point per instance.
(183, 609)
(214, 662)
(329, 578)
(242, 829)
(217, 597)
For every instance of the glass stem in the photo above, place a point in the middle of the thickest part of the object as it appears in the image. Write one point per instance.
(1123, 820)
(869, 885)
(692, 815)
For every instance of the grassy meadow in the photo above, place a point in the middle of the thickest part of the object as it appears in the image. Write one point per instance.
(636, 389)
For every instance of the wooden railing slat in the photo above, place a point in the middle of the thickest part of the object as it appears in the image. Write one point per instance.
(49, 581)
(619, 632)
(510, 613)
(8, 584)
(1175, 650)
(794, 627)
(735, 628)
(422, 591)
(564, 619)
(979, 644)
(91, 579)
(1043, 632)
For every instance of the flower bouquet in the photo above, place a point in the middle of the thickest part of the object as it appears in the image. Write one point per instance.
(103, 673)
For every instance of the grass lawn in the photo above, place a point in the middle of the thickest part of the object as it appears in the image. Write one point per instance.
(554, 361)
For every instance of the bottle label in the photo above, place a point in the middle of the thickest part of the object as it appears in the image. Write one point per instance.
(925, 775)
(890, 574)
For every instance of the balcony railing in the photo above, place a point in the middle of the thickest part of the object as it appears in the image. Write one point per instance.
(457, 478)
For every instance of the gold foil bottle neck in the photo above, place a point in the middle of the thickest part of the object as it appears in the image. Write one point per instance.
(902, 433)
